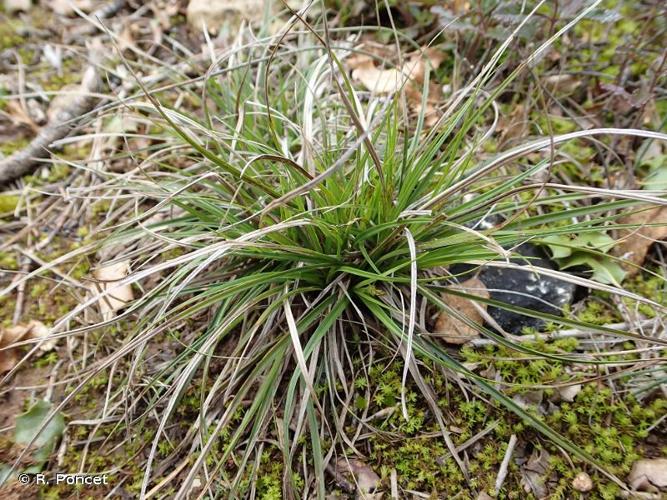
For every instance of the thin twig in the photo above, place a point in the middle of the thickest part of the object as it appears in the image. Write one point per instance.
(394, 484)
(20, 293)
(571, 333)
(502, 473)
(27, 160)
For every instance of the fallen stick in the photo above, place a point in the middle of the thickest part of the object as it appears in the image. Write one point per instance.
(573, 333)
(27, 160)
(502, 473)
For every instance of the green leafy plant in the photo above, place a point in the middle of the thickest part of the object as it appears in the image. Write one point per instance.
(652, 158)
(587, 249)
(39, 429)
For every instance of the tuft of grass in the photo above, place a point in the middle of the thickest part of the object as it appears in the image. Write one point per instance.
(297, 232)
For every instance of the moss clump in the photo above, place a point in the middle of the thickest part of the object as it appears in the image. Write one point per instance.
(8, 203)
(9, 35)
(47, 359)
(58, 171)
(558, 124)
(612, 428)
(69, 76)
(270, 477)
(596, 312)
(9, 147)
(8, 261)
(647, 285)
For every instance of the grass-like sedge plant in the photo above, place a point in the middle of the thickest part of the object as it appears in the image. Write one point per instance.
(308, 222)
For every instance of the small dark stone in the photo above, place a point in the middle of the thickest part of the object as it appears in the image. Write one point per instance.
(524, 289)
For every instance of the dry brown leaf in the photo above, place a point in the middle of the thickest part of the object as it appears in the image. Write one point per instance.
(415, 68)
(8, 360)
(534, 473)
(19, 115)
(569, 392)
(360, 474)
(26, 331)
(460, 6)
(431, 112)
(12, 130)
(12, 6)
(451, 329)
(23, 331)
(216, 13)
(513, 125)
(619, 100)
(529, 399)
(410, 78)
(126, 39)
(649, 474)
(564, 83)
(39, 330)
(66, 7)
(634, 244)
(457, 7)
(380, 81)
(390, 80)
(107, 278)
